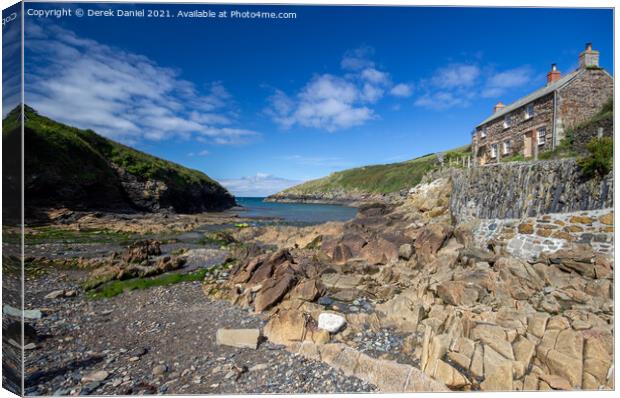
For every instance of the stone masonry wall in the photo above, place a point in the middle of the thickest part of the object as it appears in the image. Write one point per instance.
(584, 133)
(528, 238)
(526, 189)
(583, 98)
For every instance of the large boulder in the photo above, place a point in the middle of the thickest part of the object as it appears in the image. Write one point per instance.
(307, 290)
(140, 251)
(581, 259)
(273, 291)
(429, 241)
(286, 327)
(379, 251)
(403, 312)
(457, 293)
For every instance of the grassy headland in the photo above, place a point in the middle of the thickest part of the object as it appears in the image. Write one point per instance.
(67, 166)
(376, 179)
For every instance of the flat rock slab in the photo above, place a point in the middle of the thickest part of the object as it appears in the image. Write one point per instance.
(15, 312)
(340, 281)
(240, 338)
(203, 258)
(388, 376)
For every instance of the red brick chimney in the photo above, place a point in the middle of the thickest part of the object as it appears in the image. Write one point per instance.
(498, 107)
(554, 74)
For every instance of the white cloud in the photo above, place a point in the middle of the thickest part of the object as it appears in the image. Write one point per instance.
(259, 185)
(456, 75)
(441, 100)
(459, 84)
(402, 90)
(326, 102)
(11, 67)
(336, 101)
(122, 95)
(500, 82)
(358, 58)
(375, 76)
(324, 161)
(199, 153)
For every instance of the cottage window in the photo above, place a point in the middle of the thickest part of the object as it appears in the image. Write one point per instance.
(483, 133)
(529, 111)
(507, 121)
(542, 136)
(507, 147)
(494, 150)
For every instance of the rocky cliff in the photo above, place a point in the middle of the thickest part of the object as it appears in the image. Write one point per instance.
(79, 169)
(525, 189)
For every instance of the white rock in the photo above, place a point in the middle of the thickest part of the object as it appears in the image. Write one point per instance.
(30, 314)
(98, 375)
(55, 294)
(260, 366)
(331, 322)
(30, 346)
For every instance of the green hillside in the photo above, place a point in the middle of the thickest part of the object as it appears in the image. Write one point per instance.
(67, 166)
(376, 179)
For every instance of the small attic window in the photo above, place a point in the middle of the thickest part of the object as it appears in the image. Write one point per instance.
(529, 111)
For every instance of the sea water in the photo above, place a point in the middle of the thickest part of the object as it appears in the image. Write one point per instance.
(303, 213)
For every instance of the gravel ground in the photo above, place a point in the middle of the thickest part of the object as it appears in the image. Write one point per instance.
(159, 340)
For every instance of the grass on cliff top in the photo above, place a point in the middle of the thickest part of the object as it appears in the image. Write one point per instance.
(379, 179)
(85, 156)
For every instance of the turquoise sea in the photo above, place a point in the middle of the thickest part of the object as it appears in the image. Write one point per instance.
(295, 212)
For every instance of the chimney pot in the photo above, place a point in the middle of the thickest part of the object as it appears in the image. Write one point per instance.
(498, 106)
(554, 74)
(588, 57)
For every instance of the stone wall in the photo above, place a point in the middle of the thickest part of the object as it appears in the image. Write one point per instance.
(526, 189)
(530, 237)
(583, 98)
(582, 134)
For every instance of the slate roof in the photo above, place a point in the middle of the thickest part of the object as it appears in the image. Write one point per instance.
(531, 97)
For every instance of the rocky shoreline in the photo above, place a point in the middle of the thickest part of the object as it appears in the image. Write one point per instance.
(344, 199)
(399, 299)
(471, 315)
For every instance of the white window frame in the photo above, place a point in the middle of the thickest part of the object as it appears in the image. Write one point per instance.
(493, 150)
(483, 133)
(506, 147)
(528, 114)
(507, 121)
(542, 140)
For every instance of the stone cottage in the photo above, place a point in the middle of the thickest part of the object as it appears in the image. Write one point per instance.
(537, 122)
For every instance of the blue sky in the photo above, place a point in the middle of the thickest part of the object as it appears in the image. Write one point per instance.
(261, 104)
